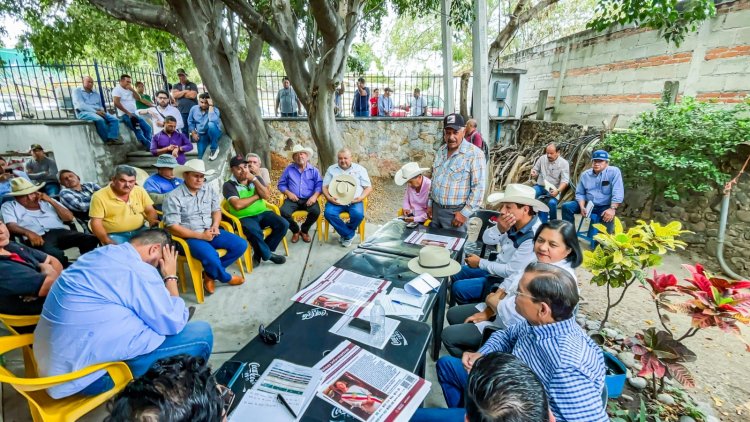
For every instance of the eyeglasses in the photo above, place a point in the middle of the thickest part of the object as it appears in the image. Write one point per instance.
(269, 337)
(520, 293)
(226, 395)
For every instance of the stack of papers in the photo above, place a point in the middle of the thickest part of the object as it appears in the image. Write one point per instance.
(421, 285)
(424, 239)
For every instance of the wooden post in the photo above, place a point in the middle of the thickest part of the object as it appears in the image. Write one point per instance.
(464, 94)
(541, 104)
(671, 89)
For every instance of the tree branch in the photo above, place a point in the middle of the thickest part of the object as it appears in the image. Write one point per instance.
(328, 21)
(138, 12)
(517, 19)
(254, 22)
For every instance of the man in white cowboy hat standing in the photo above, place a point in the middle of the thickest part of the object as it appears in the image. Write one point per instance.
(159, 184)
(457, 178)
(514, 233)
(192, 211)
(417, 192)
(345, 186)
(301, 185)
(40, 220)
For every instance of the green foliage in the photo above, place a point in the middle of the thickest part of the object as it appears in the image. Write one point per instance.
(361, 57)
(678, 149)
(674, 19)
(661, 355)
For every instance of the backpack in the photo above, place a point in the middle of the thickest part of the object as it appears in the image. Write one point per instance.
(484, 146)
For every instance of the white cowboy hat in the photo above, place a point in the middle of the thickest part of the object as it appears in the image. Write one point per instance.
(495, 197)
(435, 261)
(299, 148)
(343, 188)
(522, 194)
(20, 187)
(407, 172)
(195, 165)
(140, 176)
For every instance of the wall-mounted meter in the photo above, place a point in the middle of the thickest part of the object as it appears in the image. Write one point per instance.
(500, 90)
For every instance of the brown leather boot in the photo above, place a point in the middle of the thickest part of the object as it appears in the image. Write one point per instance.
(209, 285)
(236, 280)
(305, 237)
(295, 237)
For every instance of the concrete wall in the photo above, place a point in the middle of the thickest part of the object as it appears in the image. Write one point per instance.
(73, 144)
(592, 76)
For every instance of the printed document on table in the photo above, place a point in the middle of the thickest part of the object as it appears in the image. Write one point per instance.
(422, 284)
(296, 383)
(367, 387)
(342, 291)
(343, 329)
(425, 239)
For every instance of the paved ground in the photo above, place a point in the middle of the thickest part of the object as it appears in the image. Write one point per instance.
(235, 312)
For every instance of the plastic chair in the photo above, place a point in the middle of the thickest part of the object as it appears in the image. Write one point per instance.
(11, 322)
(68, 409)
(590, 232)
(485, 216)
(345, 216)
(400, 212)
(301, 215)
(235, 221)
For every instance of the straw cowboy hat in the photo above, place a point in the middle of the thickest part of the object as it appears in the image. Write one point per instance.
(522, 194)
(342, 188)
(140, 176)
(408, 172)
(195, 165)
(495, 197)
(435, 261)
(299, 148)
(20, 187)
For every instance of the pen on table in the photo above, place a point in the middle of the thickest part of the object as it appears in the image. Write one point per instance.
(281, 400)
(404, 303)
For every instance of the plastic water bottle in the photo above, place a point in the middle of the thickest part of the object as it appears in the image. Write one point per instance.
(377, 323)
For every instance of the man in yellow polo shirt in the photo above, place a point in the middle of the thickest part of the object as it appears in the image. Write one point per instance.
(119, 210)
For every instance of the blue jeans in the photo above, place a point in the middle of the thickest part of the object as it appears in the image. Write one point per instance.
(468, 284)
(571, 208)
(365, 113)
(124, 237)
(107, 126)
(453, 379)
(356, 215)
(143, 133)
(205, 252)
(51, 188)
(551, 203)
(196, 339)
(289, 114)
(210, 137)
(253, 227)
(428, 414)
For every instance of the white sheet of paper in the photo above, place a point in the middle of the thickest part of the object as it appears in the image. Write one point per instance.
(343, 329)
(422, 284)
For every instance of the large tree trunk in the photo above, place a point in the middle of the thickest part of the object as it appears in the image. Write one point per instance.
(323, 126)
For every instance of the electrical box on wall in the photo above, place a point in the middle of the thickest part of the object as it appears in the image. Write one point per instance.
(505, 85)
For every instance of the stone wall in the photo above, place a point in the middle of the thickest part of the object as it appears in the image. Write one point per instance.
(592, 76)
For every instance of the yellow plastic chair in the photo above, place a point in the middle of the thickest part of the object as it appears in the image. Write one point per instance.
(345, 216)
(400, 212)
(300, 216)
(235, 221)
(68, 409)
(11, 322)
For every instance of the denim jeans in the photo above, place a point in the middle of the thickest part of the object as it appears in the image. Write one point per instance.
(196, 339)
(205, 252)
(142, 133)
(107, 126)
(356, 215)
(551, 203)
(185, 128)
(571, 208)
(452, 378)
(123, 237)
(468, 284)
(364, 113)
(289, 114)
(51, 188)
(209, 138)
(253, 228)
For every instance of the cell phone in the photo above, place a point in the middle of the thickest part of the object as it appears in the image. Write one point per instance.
(412, 225)
(230, 372)
(360, 324)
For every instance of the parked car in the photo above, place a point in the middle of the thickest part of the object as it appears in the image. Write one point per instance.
(6, 110)
(435, 107)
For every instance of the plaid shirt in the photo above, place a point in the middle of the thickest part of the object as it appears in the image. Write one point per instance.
(459, 180)
(78, 200)
(568, 363)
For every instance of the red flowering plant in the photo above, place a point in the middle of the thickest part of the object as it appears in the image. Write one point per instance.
(712, 301)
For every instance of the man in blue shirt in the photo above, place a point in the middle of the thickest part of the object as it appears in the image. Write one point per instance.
(568, 363)
(385, 103)
(88, 106)
(158, 185)
(204, 123)
(601, 185)
(116, 303)
(361, 100)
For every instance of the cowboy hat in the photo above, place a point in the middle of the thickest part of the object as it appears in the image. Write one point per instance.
(435, 261)
(495, 197)
(195, 165)
(407, 172)
(166, 161)
(140, 176)
(343, 188)
(20, 186)
(522, 194)
(299, 148)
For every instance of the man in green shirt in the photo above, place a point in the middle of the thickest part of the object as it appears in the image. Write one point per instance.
(246, 193)
(144, 102)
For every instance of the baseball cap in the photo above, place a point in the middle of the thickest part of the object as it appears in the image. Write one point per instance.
(454, 121)
(36, 146)
(236, 161)
(181, 71)
(600, 155)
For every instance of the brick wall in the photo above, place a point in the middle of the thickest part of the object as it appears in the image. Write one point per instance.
(592, 76)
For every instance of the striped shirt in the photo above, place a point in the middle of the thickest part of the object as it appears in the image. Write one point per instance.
(78, 200)
(569, 364)
(459, 179)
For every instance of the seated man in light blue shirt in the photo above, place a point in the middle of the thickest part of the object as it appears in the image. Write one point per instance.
(88, 106)
(600, 185)
(385, 103)
(158, 185)
(116, 303)
(345, 195)
(204, 124)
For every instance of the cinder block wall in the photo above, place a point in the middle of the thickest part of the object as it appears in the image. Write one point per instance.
(592, 76)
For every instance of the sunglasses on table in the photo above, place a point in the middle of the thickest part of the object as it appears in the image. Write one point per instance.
(268, 336)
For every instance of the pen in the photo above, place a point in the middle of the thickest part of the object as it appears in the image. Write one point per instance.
(404, 303)
(281, 400)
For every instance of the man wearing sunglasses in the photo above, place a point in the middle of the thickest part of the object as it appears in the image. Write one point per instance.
(161, 110)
